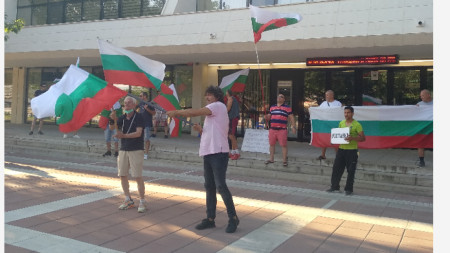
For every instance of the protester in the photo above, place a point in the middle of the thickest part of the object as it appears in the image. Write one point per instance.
(109, 132)
(160, 120)
(214, 149)
(131, 154)
(425, 96)
(42, 89)
(147, 114)
(233, 116)
(329, 102)
(347, 154)
(279, 115)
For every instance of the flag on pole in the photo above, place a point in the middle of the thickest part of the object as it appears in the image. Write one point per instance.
(75, 99)
(263, 20)
(401, 126)
(236, 81)
(122, 66)
(104, 115)
(169, 102)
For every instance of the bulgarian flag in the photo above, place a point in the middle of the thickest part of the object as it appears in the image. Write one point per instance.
(122, 66)
(235, 82)
(75, 99)
(404, 126)
(168, 100)
(263, 20)
(104, 115)
(369, 100)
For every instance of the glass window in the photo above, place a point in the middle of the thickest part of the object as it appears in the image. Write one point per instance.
(374, 87)
(406, 87)
(39, 15)
(110, 9)
(182, 76)
(343, 83)
(152, 7)
(262, 2)
(55, 13)
(25, 14)
(8, 93)
(24, 2)
(131, 8)
(430, 79)
(91, 10)
(207, 5)
(73, 11)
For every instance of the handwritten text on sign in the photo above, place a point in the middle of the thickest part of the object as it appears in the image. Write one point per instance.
(256, 140)
(338, 135)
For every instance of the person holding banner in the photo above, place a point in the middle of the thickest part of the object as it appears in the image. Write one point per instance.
(214, 148)
(347, 154)
(425, 96)
(329, 102)
(279, 115)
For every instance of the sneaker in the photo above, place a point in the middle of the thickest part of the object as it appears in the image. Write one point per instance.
(40, 132)
(142, 208)
(153, 135)
(206, 223)
(348, 193)
(127, 204)
(65, 136)
(421, 164)
(145, 156)
(331, 190)
(165, 136)
(30, 133)
(108, 153)
(76, 136)
(235, 156)
(232, 225)
(116, 154)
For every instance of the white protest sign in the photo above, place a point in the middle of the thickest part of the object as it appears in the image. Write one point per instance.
(338, 135)
(256, 140)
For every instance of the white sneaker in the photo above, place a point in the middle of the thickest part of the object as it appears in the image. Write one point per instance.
(145, 156)
(65, 136)
(76, 136)
(142, 208)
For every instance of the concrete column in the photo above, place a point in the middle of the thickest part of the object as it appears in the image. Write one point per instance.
(18, 102)
(203, 76)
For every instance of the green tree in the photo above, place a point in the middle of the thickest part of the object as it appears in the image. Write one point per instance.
(13, 26)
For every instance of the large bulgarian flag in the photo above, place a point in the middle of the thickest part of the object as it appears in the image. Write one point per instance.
(404, 126)
(263, 20)
(236, 81)
(122, 66)
(75, 99)
(168, 100)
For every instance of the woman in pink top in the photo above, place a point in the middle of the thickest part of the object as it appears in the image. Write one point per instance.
(214, 149)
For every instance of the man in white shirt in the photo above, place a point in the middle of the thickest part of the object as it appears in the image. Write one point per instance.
(329, 102)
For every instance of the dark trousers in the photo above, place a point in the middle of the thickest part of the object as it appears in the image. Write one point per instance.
(215, 169)
(345, 158)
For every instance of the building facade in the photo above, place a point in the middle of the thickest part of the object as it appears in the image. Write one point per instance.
(339, 44)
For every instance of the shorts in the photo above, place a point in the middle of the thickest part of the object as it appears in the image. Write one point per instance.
(130, 162)
(161, 123)
(278, 135)
(109, 133)
(232, 129)
(147, 133)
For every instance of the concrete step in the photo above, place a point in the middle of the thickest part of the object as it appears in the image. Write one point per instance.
(368, 176)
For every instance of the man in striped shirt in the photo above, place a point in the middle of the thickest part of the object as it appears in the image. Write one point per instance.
(279, 116)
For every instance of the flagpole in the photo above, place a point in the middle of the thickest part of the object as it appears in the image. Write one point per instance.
(260, 82)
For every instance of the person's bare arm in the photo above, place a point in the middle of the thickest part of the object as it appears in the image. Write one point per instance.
(190, 112)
